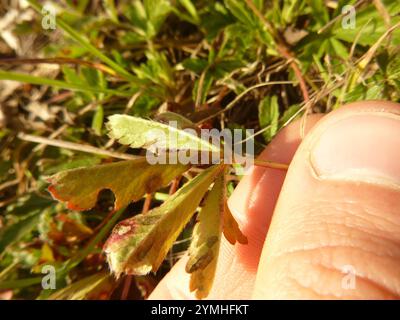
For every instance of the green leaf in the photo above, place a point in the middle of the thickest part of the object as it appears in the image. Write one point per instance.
(148, 16)
(340, 49)
(91, 246)
(370, 25)
(111, 10)
(290, 113)
(128, 180)
(189, 6)
(204, 248)
(94, 77)
(259, 4)
(79, 5)
(139, 245)
(20, 77)
(52, 166)
(156, 69)
(98, 119)
(226, 66)
(214, 20)
(268, 114)
(137, 14)
(319, 11)
(86, 288)
(242, 13)
(200, 94)
(144, 105)
(181, 121)
(393, 67)
(156, 11)
(15, 232)
(141, 133)
(71, 76)
(20, 283)
(195, 64)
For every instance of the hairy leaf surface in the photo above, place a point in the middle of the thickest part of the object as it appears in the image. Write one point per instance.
(142, 133)
(128, 180)
(139, 245)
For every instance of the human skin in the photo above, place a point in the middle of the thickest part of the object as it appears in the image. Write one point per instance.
(336, 210)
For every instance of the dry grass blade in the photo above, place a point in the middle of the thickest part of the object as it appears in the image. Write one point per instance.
(75, 146)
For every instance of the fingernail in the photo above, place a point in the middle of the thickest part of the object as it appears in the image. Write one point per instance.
(362, 147)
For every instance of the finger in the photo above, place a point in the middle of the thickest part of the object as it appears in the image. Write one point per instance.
(336, 226)
(252, 204)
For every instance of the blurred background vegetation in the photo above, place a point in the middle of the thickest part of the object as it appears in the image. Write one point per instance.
(226, 64)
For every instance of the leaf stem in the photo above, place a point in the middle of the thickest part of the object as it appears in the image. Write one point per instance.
(75, 146)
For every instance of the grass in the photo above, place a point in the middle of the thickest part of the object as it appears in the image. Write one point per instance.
(247, 64)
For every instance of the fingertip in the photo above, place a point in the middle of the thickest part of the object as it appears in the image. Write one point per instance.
(175, 284)
(252, 204)
(253, 200)
(337, 209)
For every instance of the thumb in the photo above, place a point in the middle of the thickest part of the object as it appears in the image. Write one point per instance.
(335, 232)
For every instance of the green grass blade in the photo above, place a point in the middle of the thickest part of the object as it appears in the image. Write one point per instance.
(25, 78)
(92, 244)
(20, 283)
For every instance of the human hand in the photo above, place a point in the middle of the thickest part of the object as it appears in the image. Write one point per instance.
(338, 211)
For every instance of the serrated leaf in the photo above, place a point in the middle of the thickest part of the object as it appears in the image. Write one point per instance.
(216, 19)
(231, 228)
(156, 11)
(137, 15)
(156, 69)
(128, 180)
(139, 245)
(142, 133)
(204, 248)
